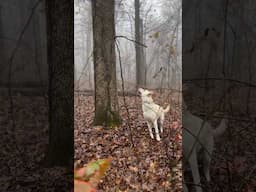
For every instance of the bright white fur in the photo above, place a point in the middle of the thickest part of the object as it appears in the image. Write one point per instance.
(152, 112)
(205, 141)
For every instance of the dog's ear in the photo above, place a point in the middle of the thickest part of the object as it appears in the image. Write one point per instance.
(140, 90)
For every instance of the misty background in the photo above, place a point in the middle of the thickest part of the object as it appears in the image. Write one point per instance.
(23, 51)
(161, 36)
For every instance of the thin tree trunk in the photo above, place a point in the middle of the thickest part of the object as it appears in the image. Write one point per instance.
(143, 56)
(88, 51)
(138, 49)
(37, 55)
(106, 101)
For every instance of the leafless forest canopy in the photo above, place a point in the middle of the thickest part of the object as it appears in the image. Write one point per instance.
(161, 42)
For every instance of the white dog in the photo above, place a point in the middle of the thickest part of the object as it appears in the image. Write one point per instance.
(152, 112)
(192, 125)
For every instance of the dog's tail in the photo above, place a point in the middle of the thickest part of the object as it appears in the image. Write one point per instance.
(221, 128)
(167, 109)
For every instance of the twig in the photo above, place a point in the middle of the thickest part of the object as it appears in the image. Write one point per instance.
(121, 36)
(128, 114)
(83, 71)
(125, 104)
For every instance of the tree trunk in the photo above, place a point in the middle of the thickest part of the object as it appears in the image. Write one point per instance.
(106, 101)
(2, 44)
(143, 56)
(89, 50)
(61, 76)
(37, 58)
(140, 72)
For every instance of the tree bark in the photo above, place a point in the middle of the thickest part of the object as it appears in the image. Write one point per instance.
(106, 101)
(2, 45)
(88, 48)
(140, 72)
(60, 42)
(143, 56)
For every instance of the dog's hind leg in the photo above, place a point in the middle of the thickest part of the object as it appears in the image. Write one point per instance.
(157, 131)
(195, 172)
(207, 160)
(150, 130)
(161, 123)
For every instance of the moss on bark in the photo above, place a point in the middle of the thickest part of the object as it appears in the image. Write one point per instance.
(108, 119)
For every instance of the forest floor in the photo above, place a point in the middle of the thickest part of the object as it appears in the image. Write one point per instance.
(154, 166)
(149, 165)
(23, 147)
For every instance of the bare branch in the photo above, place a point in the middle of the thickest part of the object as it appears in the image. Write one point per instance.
(120, 36)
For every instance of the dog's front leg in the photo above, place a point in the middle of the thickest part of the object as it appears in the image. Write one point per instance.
(150, 130)
(157, 131)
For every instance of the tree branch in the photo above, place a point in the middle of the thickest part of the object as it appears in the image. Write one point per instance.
(124, 37)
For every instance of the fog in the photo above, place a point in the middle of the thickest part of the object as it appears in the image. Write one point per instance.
(161, 36)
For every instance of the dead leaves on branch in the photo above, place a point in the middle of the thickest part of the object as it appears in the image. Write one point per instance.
(87, 177)
(171, 49)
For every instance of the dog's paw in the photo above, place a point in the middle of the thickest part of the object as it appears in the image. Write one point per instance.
(158, 138)
(152, 136)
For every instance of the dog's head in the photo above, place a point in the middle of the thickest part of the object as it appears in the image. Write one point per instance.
(145, 92)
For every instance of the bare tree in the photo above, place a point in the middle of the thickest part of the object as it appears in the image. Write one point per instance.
(140, 59)
(106, 101)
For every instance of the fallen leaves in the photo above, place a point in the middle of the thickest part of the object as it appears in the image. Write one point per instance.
(22, 170)
(134, 169)
(83, 186)
(87, 177)
(142, 168)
